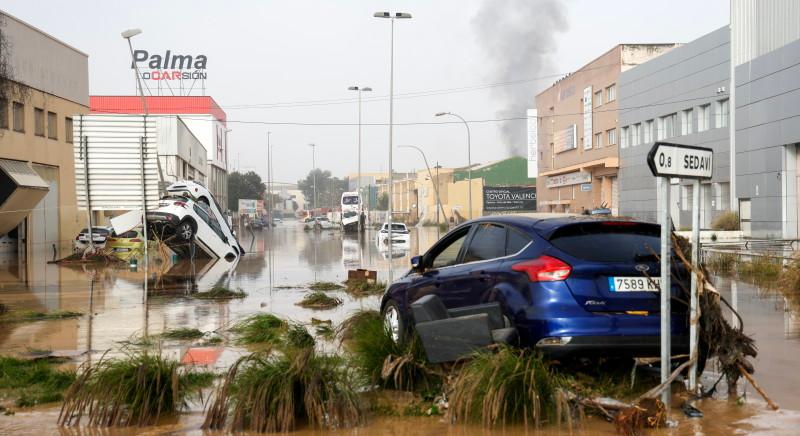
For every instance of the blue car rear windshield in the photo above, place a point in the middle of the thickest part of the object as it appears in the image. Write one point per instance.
(609, 241)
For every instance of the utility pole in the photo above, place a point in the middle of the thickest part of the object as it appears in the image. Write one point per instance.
(313, 175)
(397, 15)
(269, 181)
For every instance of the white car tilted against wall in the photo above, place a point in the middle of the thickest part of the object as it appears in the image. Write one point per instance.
(191, 214)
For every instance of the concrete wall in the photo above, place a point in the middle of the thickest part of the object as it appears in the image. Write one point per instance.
(687, 77)
(767, 131)
(45, 63)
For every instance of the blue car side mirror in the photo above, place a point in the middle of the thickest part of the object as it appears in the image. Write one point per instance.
(416, 261)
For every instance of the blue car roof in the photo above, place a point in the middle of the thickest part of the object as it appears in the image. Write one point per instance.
(545, 226)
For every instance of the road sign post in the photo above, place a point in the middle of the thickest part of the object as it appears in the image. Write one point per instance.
(668, 161)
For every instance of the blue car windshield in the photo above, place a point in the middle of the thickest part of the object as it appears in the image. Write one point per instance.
(609, 241)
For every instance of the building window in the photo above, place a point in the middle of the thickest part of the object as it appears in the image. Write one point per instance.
(38, 121)
(598, 98)
(703, 113)
(68, 129)
(19, 117)
(611, 93)
(635, 132)
(52, 125)
(686, 122)
(723, 112)
(612, 136)
(598, 140)
(666, 126)
(3, 114)
(624, 137)
(648, 131)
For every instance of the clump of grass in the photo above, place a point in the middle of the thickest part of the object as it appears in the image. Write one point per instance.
(261, 328)
(325, 331)
(325, 286)
(146, 386)
(32, 315)
(183, 333)
(721, 263)
(220, 292)
(789, 281)
(349, 327)
(727, 221)
(510, 386)
(319, 300)
(297, 336)
(273, 392)
(32, 382)
(382, 361)
(761, 270)
(214, 340)
(362, 287)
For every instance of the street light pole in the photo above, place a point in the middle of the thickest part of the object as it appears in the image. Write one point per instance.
(358, 182)
(469, 155)
(397, 15)
(314, 176)
(435, 186)
(269, 176)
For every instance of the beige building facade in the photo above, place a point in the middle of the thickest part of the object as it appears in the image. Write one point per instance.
(48, 89)
(578, 136)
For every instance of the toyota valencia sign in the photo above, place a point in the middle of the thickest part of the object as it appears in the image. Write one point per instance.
(509, 198)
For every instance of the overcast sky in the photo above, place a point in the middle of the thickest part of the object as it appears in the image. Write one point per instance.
(266, 52)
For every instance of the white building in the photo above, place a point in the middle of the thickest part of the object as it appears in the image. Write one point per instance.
(201, 115)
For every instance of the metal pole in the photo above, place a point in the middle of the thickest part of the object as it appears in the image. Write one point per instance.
(438, 225)
(665, 288)
(84, 144)
(314, 176)
(269, 178)
(435, 186)
(693, 316)
(358, 182)
(391, 175)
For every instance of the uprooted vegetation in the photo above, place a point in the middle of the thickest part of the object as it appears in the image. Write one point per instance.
(220, 292)
(146, 386)
(182, 333)
(319, 300)
(381, 361)
(33, 382)
(261, 328)
(364, 287)
(325, 286)
(33, 315)
(275, 391)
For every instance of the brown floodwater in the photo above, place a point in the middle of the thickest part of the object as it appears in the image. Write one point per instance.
(275, 280)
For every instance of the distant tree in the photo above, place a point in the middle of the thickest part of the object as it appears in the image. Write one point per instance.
(329, 189)
(383, 201)
(246, 186)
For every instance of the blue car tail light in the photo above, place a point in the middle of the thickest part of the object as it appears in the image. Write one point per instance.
(544, 269)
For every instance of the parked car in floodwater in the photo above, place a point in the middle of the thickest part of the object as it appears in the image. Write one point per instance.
(569, 285)
(99, 238)
(400, 234)
(128, 244)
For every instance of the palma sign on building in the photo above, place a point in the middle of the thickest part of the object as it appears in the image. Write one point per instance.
(170, 66)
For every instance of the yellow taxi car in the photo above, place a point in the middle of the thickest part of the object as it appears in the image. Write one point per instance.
(127, 245)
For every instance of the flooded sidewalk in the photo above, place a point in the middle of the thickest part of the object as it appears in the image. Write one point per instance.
(276, 274)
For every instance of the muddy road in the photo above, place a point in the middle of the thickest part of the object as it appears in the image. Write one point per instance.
(275, 275)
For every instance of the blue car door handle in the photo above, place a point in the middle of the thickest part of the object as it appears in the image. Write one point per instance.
(481, 276)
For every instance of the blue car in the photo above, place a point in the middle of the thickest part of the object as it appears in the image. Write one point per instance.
(572, 286)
